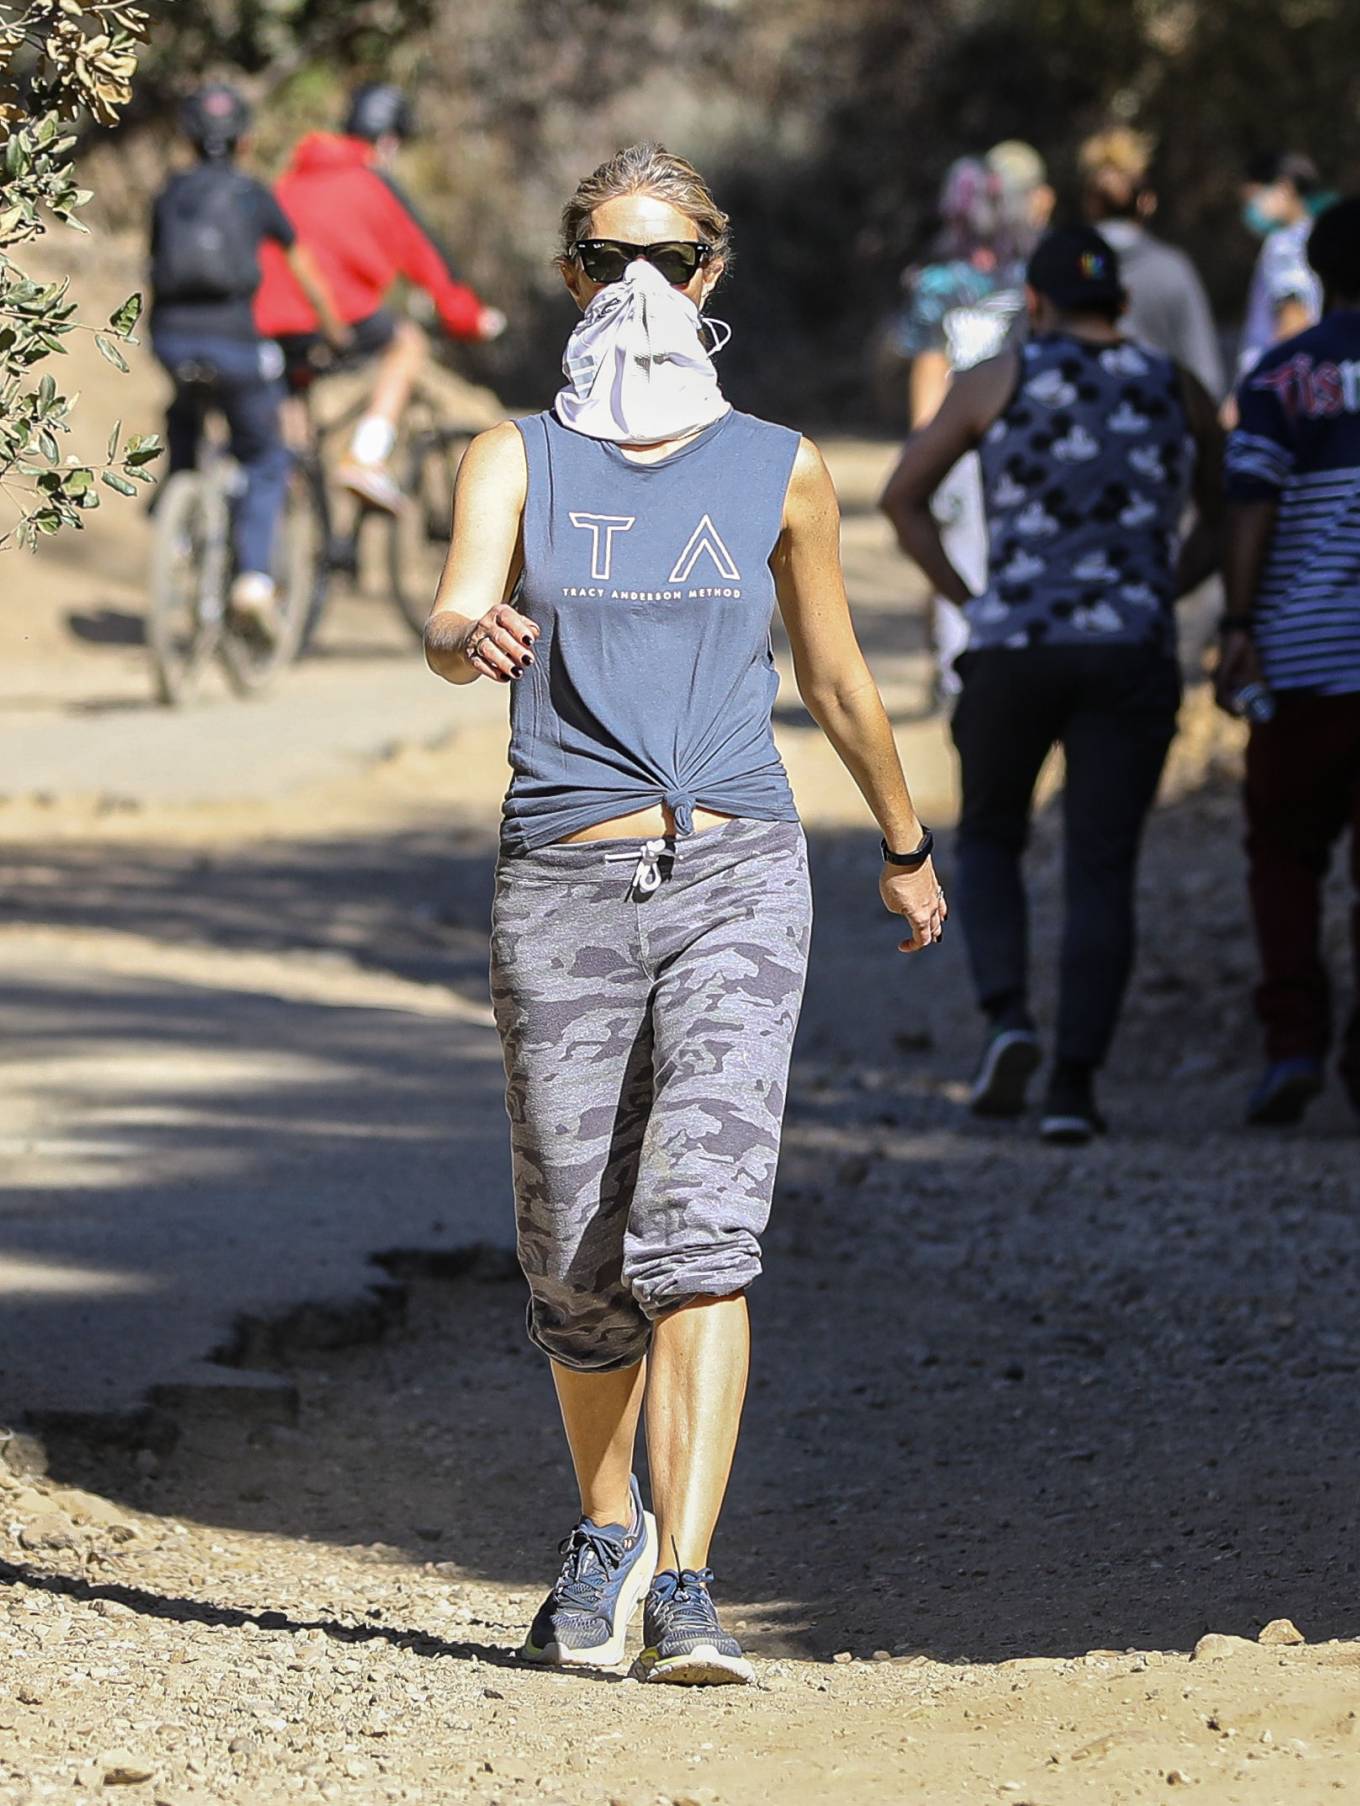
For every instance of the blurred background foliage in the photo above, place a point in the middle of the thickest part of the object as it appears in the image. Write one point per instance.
(60, 64)
(824, 125)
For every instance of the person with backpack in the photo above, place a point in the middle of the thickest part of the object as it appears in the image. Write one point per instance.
(207, 226)
(339, 194)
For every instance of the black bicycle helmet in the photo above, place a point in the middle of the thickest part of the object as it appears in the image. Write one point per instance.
(215, 118)
(377, 110)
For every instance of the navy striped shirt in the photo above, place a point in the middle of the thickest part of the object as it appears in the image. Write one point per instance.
(1298, 444)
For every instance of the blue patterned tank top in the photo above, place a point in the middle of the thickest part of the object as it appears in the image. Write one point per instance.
(653, 678)
(1085, 475)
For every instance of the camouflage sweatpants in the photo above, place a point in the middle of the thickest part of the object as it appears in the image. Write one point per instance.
(647, 1037)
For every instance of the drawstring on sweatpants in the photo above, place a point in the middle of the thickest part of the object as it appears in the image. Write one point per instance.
(647, 877)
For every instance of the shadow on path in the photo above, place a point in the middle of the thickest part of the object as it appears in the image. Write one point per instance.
(1008, 1400)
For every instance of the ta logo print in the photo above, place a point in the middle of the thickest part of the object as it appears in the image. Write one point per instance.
(704, 541)
(704, 538)
(602, 528)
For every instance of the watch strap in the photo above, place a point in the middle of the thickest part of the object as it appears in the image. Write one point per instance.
(910, 861)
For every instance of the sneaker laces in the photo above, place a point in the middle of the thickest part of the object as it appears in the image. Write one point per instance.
(592, 1557)
(684, 1597)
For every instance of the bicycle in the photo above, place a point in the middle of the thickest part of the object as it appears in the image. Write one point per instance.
(429, 450)
(189, 623)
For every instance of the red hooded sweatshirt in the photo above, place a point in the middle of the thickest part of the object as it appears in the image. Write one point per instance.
(363, 232)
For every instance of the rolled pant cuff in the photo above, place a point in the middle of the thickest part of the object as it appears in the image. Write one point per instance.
(584, 1354)
(687, 1287)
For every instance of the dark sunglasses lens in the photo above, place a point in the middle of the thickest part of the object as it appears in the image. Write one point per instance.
(677, 262)
(603, 263)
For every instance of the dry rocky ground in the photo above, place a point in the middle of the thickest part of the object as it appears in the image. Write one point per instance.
(1026, 1426)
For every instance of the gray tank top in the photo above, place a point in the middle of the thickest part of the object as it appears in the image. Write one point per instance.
(653, 677)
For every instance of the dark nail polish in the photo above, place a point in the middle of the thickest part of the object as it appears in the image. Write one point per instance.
(528, 658)
(527, 640)
(517, 672)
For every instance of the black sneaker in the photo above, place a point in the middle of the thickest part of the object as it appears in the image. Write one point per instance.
(1004, 1071)
(1349, 1069)
(683, 1642)
(584, 1620)
(1283, 1092)
(1070, 1117)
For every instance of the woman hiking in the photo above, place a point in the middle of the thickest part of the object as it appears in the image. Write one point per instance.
(616, 562)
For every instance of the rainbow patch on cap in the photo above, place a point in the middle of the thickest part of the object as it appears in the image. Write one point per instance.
(1092, 265)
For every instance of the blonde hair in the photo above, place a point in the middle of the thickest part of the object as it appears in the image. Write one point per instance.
(1115, 165)
(647, 169)
(1120, 148)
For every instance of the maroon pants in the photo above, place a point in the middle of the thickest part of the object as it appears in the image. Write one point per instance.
(1302, 793)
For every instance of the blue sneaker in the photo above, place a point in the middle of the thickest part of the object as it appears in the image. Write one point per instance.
(608, 1567)
(683, 1641)
(1284, 1091)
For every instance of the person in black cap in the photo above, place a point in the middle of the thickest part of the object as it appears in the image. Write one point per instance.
(1090, 447)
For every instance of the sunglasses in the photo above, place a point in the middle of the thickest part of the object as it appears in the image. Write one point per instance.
(604, 260)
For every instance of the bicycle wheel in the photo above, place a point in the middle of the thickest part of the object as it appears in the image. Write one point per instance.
(252, 664)
(312, 476)
(418, 539)
(189, 560)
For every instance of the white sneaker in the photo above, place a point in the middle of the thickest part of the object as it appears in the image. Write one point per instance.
(252, 608)
(372, 483)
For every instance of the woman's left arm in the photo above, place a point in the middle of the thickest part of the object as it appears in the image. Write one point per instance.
(836, 685)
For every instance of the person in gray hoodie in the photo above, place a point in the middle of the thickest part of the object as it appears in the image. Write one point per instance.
(1168, 310)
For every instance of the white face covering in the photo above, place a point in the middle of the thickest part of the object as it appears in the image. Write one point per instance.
(636, 367)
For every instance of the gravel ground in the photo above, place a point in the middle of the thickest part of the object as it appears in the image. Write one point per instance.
(1026, 1425)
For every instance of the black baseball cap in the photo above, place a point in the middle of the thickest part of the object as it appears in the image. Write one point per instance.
(1077, 270)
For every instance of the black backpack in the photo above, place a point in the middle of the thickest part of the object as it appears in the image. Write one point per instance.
(206, 237)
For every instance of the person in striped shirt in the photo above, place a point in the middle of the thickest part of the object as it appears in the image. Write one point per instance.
(1291, 639)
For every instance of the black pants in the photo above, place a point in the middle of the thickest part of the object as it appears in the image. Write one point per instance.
(232, 374)
(1113, 709)
(1303, 793)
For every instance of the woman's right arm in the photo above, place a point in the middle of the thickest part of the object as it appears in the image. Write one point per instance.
(472, 630)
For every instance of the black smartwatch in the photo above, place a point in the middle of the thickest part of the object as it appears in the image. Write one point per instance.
(910, 861)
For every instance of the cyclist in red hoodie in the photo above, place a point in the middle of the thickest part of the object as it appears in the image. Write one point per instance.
(364, 233)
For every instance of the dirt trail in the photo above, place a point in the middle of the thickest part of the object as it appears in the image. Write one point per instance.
(1025, 1425)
